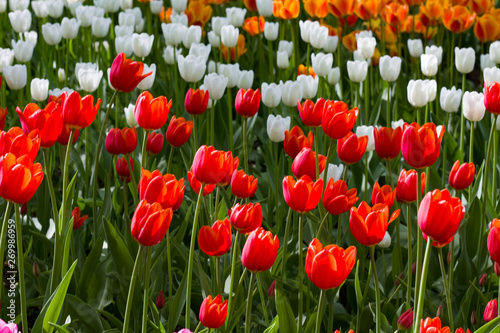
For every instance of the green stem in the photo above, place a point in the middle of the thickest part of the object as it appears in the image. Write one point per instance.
(301, 273)
(377, 289)
(388, 114)
(389, 171)
(218, 273)
(48, 177)
(321, 305)
(20, 267)
(410, 258)
(3, 240)
(462, 123)
(367, 100)
(262, 299)
(420, 241)
(285, 245)
(230, 118)
(169, 268)
(130, 297)
(248, 316)
(421, 292)
(321, 225)
(170, 157)
(197, 327)
(339, 230)
(315, 130)
(144, 159)
(146, 291)
(366, 176)
(194, 233)
(233, 273)
(276, 182)
(132, 179)
(447, 290)
(245, 151)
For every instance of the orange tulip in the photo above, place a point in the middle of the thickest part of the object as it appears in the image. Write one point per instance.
(341, 8)
(316, 8)
(19, 178)
(286, 9)
(367, 9)
(302, 195)
(487, 28)
(251, 5)
(3, 117)
(198, 12)
(240, 46)
(394, 14)
(253, 27)
(164, 189)
(480, 6)
(165, 15)
(304, 70)
(369, 224)
(349, 41)
(384, 195)
(412, 3)
(458, 19)
(431, 12)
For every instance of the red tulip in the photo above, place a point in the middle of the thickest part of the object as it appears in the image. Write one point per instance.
(421, 145)
(16, 142)
(328, 267)
(196, 185)
(295, 141)
(433, 325)
(126, 74)
(151, 113)
(305, 163)
(160, 300)
(383, 195)
(245, 218)
(122, 168)
(491, 310)
(77, 218)
(215, 240)
(3, 117)
(260, 251)
(64, 136)
(212, 166)
(350, 148)
(494, 240)
(79, 112)
(461, 175)
(121, 141)
(19, 178)
(213, 312)
(461, 330)
(405, 321)
(247, 102)
(338, 120)
(150, 223)
(439, 215)
(164, 189)
(242, 185)
(312, 113)
(178, 131)
(337, 199)
(196, 101)
(303, 195)
(48, 122)
(369, 224)
(492, 97)
(154, 145)
(406, 190)
(388, 142)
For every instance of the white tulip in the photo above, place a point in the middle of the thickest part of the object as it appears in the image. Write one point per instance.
(56, 8)
(39, 89)
(291, 92)
(179, 18)
(265, 7)
(58, 92)
(305, 29)
(126, 4)
(436, 50)
(491, 75)
(89, 79)
(498, 123)
(449, 99)
(142, 44)
(331, 44)
(137, 13)
(418, 93)
(229, 36)
(200, 50)
(322, 63)
(486, 62)
(364, 33)
(179, 5)
(73, 6)
(236, 15)
(473, 106)
(130, 115)
(357, 70)
(69, 28)
(366, 46)
(84, 65)
(123, 44)
(15, 76)
(428, 64)
(385, 242)
(123, 30)
(100, 26)
(156, 7)
(147, 82)
(333, 171)
(215, 84)
(191, 68)
(18, 4)
(212, 67)
(282, 60)
(319, 36)
(432, 89)
(31, 36)
(213, 39)
(85, 14)
(271, 30)
(52, 33)
(356, 55)
(126, 18)
(168, 55)
(270, 94)
(334, 76)
(246, 79)
(276, 127)
(217, 23)
(495, 52)
(109, 6)
(61, 75)
(286, 46)
(367, 131)
(3, 6)
(6, 58)
(23, 50)
(191, 36)
(41, 8)
(415, 47)
(173, 33)
(389, 67)
(309, 85)
(232, 72)
(20, 20)
(465, 59)
(398, 123)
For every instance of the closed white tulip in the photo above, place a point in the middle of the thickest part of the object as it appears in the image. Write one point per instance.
(56, 8)
(217, 23)
(39, 89)
(156, 6)
(52, 33)
(385, 242)
(18, 4)
(126, 18)
(473, 106)
(41, 8)
(356, 55)
(130, 116)
(398, 123)
(364, 33)
(318, 37)
(123, 44)
(84, 65)
(322, 63)
(246, 79)
(69, 28)
(432, 89)
(236, 16)
(291, 92)
(286, 46)
(109, 6)
(191, 68)
(212, 67)
(191, 36)
(449, 99)
(331, 44)
(126, 4)
(229, 35)
(100, 26)
(465, 59)
(213, 39)
(179, 5)
(173, 33)
(389, 67)
(366, 46)
(142, 44)
(200, 50)
(85, 14)
(367, 131)
(61, 75)
(123, 30)
(89, 79)
(147, 82)
(31, 36)
(20, 20)
(6, 58)
(495, 52)
(23, 50)
(276, 127)
(265, 7)
(491, 75)
(232, 72)
(168, 55)
(334, 76)
(305, 29)
(282, 60)
(436, 50)
(270, 94)
(309, 85)
(180, 18)
(415, 47)
(486, 62)
(333, 171)
(15, 76)
(271, 30)
(418, 93)
(3, 6)
(357, 70)
(428, 64)
(215, 84)
(58, 92)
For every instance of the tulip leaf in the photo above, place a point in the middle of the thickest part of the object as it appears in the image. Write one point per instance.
(59, 328)
(275, 325)
(85, 314)
(89, 267)
(490, 327)
(357, 286)
(176, 307)
(287, 322)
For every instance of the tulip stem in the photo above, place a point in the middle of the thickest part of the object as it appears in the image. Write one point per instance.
(344, 176)
(420, 241)
(144, 157)
(301, 273)
(388, 114)
(447, 290)
(248, 319)
(410, 250)
(366, 177)
(315, 130)
(367, 99)
(321, 305)
(462, 123)
(389, 171)
(276, 181)
(339, 230)
(230, 118)
(421, 292)
(216, 212)
(169, 268)
(198, 327)
(20, 267)
(191, 257)
(471, 152)
(218, 274)
(3, 240)
(245, 151)
(233, 272)
(132, 179)
(170, 157)
(321, 225)
(285, 245)
(377, 289)
(146, 291)
(130, 297)
(262, 299)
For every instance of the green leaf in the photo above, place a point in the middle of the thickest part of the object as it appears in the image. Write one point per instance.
(490, 327)
(89, 267)
(275, 325)
(85, 313)
(286, 318)
(178, 305)
(59, 328)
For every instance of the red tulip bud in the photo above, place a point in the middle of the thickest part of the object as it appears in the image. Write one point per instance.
(483, 280)
(36, 270)
(405, 321)
(473, 318)
(160, 301)
(272, 290)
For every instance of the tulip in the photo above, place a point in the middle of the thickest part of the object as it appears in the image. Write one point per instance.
(246, 80)
(305, 163)
(23, 52)
(69, 28)
(331, 44)
(350, 148)
(100, 26)
(421, 145)
(191, 36)
(405, 320)
(295, 141)
(191, 68)
(212, 166)
(341, 8)
(150, 223)
(418, 93)
(39, 89)
(121, 141)
(334, 76)
(492, 98)
(383, 195)
(242, 185)
(200, 50)
(235, 16)
(291, 92)
(387, 142)
(247, 102)
(337, 199)
(282, 60)
(89, 79)
(173, 33)
(494, 51)
(196, 101)
(436, 51)
(129, 115)
(61, 75)
(390, 68)
(229, 36)
(322, 63)
(260, 251)
(385, 242)
(63, 138)
(428, 64)
(450, 99)
(333, 172)
(154, 144)
(369, 224)
(276, 127)
(415, 47)
(338, 120)
(368, 132)
(179, 5)
(123, 30)
(3, 117)
(246, 218)
(486, 62)
(20, 20)
(19, 178)
(48, 122)
(366, 46)
(123, 44)
(213, 39)
(178, 131)
(271, 94)
(264, 7)
(458, 18)
(319, 36)
(79, 112)
(311, 113)
(163, 189)
(8, 327)
(494, 241)
(305, 29)
(271, 31)
(303, 195)
(231, 72)
(213, 312)
(357, 70)
(472, 106)
(432, 325)
(465, 59)
(151, 113)
(15, 76)
(84, 14)
(491, 75)
(286, 46)
(77, 218)
(215, 240)
(461, 175)
(142, 44)
(406, 190)
(491, 310)
(15, 141)
(196, 185)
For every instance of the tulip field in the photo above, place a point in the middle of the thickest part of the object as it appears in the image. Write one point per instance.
(264, 166)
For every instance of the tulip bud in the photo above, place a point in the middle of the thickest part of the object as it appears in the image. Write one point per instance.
(473, 318)
(450, 99)
(486, 62)
(100, 26)
(168, 54)
(142, 44)
(483, 280)
(496, 267)
(357, 70)
(286, 46)
(494, 51)
(232, 72)
(322, 63)
(428, 64)
(276, 127)
(160, 301)
(309, 85)
(191, 67)
(415, 47)
(20, 20)
(36, 270)
(179, 5)
(272, 290)
(291, 92)
(389, 67)
(491, 75)
(69, 28)
(318, 36)
(282, 60)
(435, 50)
(156, 6)
(39, 89)
(491, 310)
(23, 52)
(405, 320)
(418, 94)
(265, 7)
(229, 36)
(271, 31)
(154, 144)
(192, 36)
(473, 106)
(271, 95)
(366, 46)
(400, 277)
(465, 59)
(89, 79)
(334, 76)
(414, 268)
(215, 85)
(439, 312)
(236, 16)
(61, 75)
(246, 79)
(331, 44)
(130, 116)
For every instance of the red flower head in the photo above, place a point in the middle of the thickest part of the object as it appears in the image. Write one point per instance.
(64, 136)
(394, 13)
(406, 190)
(79, 112)
(388, 142)
(122, 168)
(492, 98)
(126, 74)
(178, 131)
(305, 163)
(196, 185)
(439, 215)
(421, 145)
(295, 141)
(151, 113)
(433, 325)
(338, 120)
(215, 240)
(491, 310)
(461, 175)
(405, 321)
(196, 101)
(77, 219)
(260, 250)
(16, 142)
(164, 189)
(3, 117)
(246, 218)
(242, 185)
(350, 148)
(48, 122)
(312, 113)
(121, 141)
(328, 267)
(247, 102)
(369, 224)
(383, 195)
(154, 145)
(213, 312)
(150, 223)
(337, 199)
(303, 195)
(212, 166)
(19, 178)
(494, 240)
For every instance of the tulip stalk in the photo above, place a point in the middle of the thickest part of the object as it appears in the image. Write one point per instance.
(130, 297)
(230, 118)
(377, 289)
(285, 245)
(233, 272)
(462, 121)
(245, 151)
(301, 273)
(3, 237)
(144, 157)
(410, 250)
(262, 299)
(447, 290)
(20, 267)
(421, 292)
(191, 257)
(321, 305)
(146, 290)
(420, 239)
(471, 153)
(339, 230)
(315, 130)
(248, 319)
